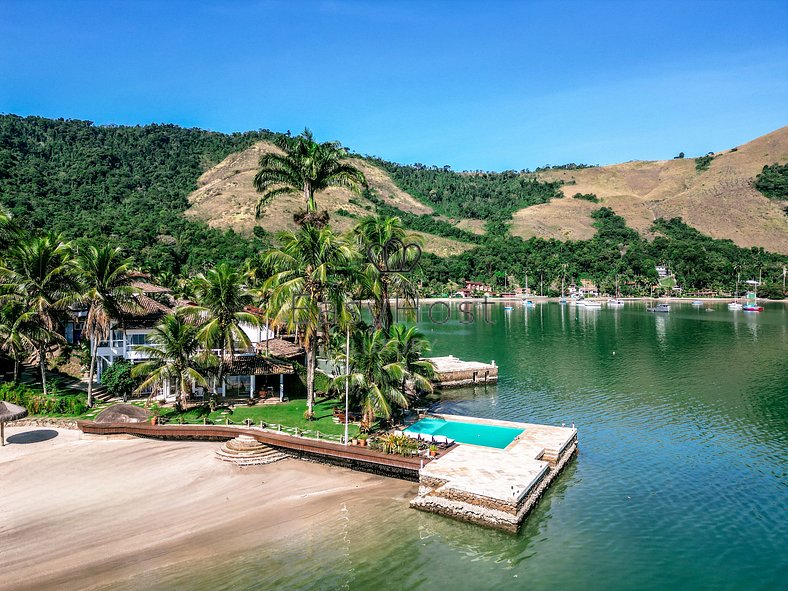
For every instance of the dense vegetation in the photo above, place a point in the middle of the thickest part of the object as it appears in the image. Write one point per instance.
(423, 222)
(698, 261)
(490, 196)
(773, 181)
(125, 185)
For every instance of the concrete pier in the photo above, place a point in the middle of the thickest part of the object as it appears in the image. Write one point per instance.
(495, 487)
(451, 372)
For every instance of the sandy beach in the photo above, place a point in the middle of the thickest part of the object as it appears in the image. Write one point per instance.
(86, 513)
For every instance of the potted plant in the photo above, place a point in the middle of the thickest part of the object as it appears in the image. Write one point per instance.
(433, 450)
(354, 441)
(155, 411)
(362, 439)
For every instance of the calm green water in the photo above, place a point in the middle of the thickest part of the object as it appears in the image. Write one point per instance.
(488, 435)
(680, 482)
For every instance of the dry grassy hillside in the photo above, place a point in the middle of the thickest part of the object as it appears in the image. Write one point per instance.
(225, 198)
(719, 202)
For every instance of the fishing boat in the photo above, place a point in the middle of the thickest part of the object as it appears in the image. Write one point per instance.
(659, 308)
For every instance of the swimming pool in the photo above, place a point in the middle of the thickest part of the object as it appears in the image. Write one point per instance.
(462, 432)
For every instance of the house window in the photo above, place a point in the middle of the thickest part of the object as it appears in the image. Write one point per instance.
(137, 339)
(238, 386)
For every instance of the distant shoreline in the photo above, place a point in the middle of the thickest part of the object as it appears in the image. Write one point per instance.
(599, 298)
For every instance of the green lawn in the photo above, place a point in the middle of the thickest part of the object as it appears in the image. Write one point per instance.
(289, 414)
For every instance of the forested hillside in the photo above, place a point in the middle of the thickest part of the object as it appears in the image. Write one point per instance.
(488, 196)
(128, 185)
(131, 186)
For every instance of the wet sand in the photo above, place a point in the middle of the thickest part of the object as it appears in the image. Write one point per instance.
(86, 513)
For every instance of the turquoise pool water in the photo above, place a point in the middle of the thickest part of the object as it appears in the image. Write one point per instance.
(474, 433)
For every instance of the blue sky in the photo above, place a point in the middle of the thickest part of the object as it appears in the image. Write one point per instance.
(482, 85)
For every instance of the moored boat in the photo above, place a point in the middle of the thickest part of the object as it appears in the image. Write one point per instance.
(659, 308)
(614, 303)
(752, 308)
(697, 303)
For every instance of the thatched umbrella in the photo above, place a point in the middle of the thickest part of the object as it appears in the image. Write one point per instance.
(9, 412)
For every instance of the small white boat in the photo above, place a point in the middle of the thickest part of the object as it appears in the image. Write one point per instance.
(660, 308)
(697, 303)
(592, 304)
(734, 306)
(614, 303)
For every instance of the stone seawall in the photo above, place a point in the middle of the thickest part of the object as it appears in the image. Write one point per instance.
(476, 494)
(46, 422)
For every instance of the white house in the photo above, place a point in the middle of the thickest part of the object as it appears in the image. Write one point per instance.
(250, 372)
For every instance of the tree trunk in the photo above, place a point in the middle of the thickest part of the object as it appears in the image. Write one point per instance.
(309, 198)
(184, 397)
(311, 358)
(91, 372)
(16, 371)
(42, 362)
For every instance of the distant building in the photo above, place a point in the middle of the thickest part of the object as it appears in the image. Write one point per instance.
(473, 287)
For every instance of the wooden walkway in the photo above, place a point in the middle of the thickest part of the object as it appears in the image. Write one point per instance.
(357, 458)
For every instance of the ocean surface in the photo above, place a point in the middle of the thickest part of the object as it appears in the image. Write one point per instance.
(680, 482)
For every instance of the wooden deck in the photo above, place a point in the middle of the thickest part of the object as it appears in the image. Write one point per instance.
(354, 457)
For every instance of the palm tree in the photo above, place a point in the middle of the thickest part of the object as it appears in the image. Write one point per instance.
(375, 376)
(39, 274)
(174, 356)
(305, 168)
(222, 300)
(19, 332)
(409, 345)
(373, 233)
(309, 266)
(8, 229)
(106, 278)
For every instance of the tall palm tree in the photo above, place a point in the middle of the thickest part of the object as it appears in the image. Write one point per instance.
(305, 167)
(222, 299)
(106, 278)
(375, 376)
(409, 346)
(309, 265)
(39, 273)
(174, 356)
(373, 234)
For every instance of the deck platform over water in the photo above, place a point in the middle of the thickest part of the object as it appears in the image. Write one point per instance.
(451, 372)
(495, 487)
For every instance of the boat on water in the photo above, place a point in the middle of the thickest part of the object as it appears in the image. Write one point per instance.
(615, 302)
(594, 304)
(697, 303)
(529, 303)
(735, 305)
(507, 308)
(659, 308)
(752, 303)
